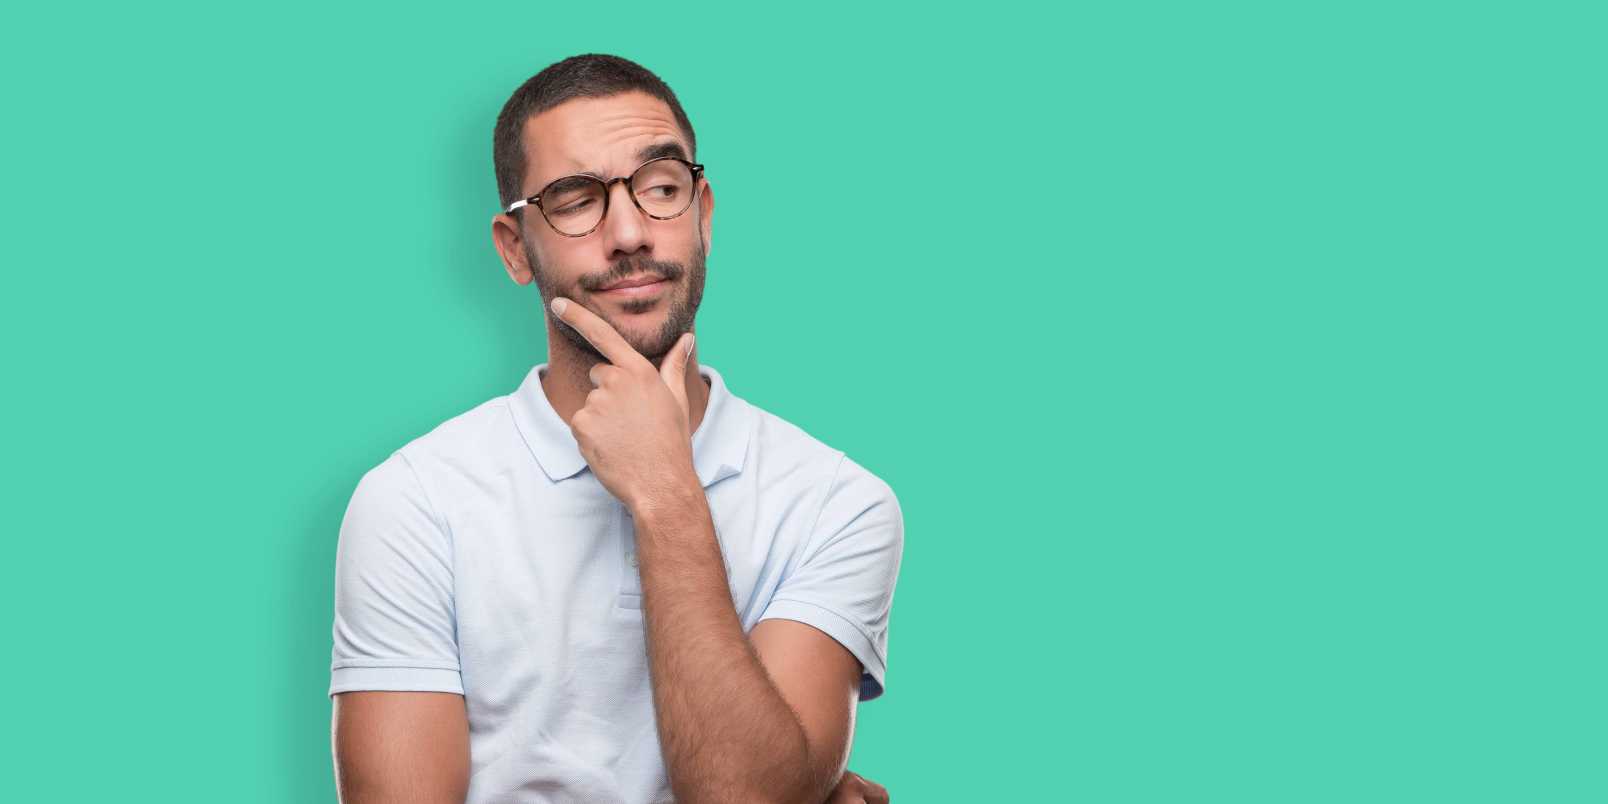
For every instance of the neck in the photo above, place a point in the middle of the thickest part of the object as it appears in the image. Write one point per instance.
(567, 380)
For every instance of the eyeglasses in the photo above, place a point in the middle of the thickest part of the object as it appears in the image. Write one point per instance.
(662, 188)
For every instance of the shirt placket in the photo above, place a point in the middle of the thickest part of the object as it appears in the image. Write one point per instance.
(630, 596)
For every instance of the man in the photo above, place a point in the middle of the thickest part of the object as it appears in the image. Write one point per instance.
(620, 582)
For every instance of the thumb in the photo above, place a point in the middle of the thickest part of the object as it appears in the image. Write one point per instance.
(673, 370)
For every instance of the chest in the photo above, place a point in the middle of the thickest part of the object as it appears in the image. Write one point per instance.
(549, 584)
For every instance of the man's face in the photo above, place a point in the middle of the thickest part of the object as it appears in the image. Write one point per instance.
(609, 137)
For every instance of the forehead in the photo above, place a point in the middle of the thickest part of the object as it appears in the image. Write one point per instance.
(596, 135)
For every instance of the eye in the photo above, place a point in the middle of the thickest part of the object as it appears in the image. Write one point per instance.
(571, 209)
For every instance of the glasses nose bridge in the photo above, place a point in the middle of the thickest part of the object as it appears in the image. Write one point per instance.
(608, 195)
(608, 191)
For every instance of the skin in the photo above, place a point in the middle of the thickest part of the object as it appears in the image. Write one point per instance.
(606, 137)
(765, 716)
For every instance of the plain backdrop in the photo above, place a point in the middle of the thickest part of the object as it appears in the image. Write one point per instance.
(1238, 366)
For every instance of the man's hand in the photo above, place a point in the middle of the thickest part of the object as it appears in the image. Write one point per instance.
(856, 789)
(634, 430)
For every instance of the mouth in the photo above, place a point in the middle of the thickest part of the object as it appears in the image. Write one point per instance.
(636, 286)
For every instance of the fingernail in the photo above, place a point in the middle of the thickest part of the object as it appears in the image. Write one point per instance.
(690, 340)
(558, 306)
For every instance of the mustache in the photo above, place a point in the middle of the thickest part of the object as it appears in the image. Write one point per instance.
(627, 268)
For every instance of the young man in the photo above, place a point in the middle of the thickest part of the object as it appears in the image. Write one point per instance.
(620, 582)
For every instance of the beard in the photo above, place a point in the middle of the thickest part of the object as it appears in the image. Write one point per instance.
(685, 294)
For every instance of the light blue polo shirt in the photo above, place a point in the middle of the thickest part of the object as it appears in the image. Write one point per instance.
(484, 558)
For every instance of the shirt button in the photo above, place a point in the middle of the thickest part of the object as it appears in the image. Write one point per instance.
(630, 558)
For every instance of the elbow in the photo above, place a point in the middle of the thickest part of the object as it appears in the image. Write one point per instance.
(797, 790)
(787, 775)
(798, 783)
(806, 784)
(752, 795)
(782, 797)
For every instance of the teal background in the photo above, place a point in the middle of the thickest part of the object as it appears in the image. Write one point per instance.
(1239, 368)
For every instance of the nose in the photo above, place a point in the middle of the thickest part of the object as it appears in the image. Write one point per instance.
(625, 228)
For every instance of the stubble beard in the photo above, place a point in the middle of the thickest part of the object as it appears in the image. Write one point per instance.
(687, 283)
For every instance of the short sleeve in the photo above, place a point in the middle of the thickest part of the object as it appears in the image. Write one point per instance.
(395, 625)
(844, 585)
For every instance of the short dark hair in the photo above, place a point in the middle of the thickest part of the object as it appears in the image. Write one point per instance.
(591, 75)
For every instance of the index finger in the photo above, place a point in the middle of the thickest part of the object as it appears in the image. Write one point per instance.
(596, 331)
(875, 793)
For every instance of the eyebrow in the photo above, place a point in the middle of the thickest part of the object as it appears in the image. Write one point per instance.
(662, 149)
(654, 151)
(564, 183)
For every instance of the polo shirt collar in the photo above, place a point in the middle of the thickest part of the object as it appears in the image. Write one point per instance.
(719, 446)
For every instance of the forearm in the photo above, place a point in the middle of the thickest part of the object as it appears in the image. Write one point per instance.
(725, 731)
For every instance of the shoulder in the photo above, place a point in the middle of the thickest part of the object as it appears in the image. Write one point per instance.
(787, 451)
(478, 442)
(786, 454)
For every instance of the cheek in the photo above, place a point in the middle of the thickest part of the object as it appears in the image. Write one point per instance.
(562, 262)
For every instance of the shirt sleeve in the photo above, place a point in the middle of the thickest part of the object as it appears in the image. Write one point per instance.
(395, 625)
(844, 585)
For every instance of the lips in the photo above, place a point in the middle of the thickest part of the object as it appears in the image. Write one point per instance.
(635, 281)
(638, 289)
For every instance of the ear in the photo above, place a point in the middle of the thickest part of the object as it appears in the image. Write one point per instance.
(509, 239)
(706, 211)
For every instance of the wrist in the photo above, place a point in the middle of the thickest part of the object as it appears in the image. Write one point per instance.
(679, 498)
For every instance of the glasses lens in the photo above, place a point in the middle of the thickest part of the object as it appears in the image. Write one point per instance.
(573, 205)
(663, 187)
